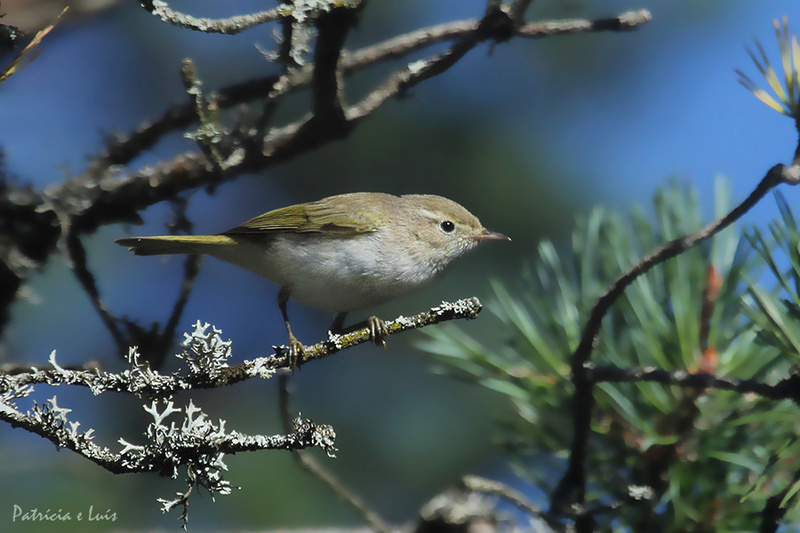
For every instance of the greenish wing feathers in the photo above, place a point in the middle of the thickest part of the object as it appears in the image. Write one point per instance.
(314, 217)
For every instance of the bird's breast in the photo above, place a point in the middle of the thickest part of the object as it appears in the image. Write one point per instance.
(341, 273)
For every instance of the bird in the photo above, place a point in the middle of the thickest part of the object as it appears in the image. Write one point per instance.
(342, 253)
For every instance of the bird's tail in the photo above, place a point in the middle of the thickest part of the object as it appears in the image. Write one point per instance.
(175, 244)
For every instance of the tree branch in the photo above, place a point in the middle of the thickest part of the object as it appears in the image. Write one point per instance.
(514, 497)
(124, 150)
(786, 389)
(629, 20)
(229, 26)
(101, 196)
(196, 444)
(572, 486)
(144, 382)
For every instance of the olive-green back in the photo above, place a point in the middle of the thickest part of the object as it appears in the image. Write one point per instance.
(344, 214)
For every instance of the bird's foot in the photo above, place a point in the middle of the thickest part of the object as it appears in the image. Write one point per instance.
(377, 331)
(295, 353)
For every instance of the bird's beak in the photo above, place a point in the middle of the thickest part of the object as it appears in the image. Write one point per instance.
(487, 235)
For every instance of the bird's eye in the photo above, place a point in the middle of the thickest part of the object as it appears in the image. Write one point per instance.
(447, 226)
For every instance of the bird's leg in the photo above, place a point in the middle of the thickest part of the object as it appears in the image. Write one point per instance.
(377, 328)
(296, 350)
(338, 322)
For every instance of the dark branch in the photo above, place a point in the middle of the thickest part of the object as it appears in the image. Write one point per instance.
(572, 487)
(787, 389)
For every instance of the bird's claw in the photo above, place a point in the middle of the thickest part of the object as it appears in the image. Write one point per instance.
(377, 331)
(295, 353)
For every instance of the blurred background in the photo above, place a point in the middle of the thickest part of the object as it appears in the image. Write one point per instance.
(527, 135)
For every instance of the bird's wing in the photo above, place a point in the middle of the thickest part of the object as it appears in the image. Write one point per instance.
(329, 215)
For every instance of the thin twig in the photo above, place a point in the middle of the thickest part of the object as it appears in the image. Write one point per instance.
(512, 496)
(629, 20)
(229, 26)
(77, 257)
(191, 268)
(123, 150)
(308, 463)
(209, 132)
(495, 24)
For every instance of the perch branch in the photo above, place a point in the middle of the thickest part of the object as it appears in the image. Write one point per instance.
(146, 382)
